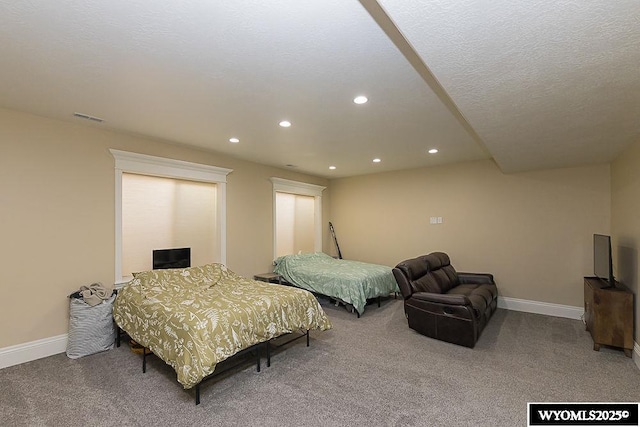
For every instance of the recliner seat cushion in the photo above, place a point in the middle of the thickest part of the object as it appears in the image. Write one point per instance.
(480, 295)
(488, 292)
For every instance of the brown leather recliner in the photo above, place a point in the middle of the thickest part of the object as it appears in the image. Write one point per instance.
(443, 304)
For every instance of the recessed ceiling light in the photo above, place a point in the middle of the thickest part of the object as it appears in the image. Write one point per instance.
(234, 140)
(433, 151)
(360, 99)
(285, 123)
(332, 167)
(376, 160)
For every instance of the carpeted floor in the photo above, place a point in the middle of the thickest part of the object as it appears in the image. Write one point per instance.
(368, 371)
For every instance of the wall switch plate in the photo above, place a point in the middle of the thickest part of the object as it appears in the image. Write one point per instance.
(433, 220)
(439, 220)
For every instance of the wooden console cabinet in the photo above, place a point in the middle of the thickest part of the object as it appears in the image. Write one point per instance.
(608, 314)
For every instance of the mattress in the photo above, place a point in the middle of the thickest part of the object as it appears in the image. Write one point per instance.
(352, 282)
(194, 318)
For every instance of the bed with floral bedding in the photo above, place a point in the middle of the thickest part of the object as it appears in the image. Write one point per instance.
(351, 282)
(194, 318)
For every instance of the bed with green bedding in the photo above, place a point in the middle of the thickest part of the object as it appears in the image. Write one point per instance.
(194, 318)
(352, 282)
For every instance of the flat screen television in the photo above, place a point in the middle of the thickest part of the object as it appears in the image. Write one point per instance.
(171, 258)
(602, 261)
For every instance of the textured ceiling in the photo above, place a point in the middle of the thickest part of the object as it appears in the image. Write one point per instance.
(535, 85)
(544, 83)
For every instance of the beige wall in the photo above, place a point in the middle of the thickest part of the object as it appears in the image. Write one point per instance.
(57, 190)
(625, 220)
(532, 230)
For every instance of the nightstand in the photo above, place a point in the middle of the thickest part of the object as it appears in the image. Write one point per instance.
(269, 277)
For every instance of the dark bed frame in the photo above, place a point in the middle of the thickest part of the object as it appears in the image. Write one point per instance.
(339, 301)
(237, 358)
(282, 281)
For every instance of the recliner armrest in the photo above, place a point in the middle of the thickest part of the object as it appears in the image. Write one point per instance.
(403, 283)
(480, 278)
(442, 298)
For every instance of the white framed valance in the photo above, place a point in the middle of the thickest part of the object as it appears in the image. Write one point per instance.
(128, 162)
(296, 187)
(281, 185)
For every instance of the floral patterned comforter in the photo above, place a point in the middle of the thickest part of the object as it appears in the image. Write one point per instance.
(194, 318)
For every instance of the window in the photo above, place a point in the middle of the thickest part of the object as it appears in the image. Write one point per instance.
(297, 217)
(183, 184)
(165, 213)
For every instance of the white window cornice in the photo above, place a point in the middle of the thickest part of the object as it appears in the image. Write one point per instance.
(296, 187)
(169, 168)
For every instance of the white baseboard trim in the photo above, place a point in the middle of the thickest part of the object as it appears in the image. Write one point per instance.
(557, 310)
(22, 353)
(547, 308)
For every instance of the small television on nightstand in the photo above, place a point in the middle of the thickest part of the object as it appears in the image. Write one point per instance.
(602, 260)
(171, 258)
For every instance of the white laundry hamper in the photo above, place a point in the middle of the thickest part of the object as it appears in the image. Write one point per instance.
(91, 328)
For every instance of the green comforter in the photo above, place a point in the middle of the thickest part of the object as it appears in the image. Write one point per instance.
(195, 317)
(353, 282)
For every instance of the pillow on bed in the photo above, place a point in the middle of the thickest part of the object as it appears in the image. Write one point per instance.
(196, 278)
(295, 257)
